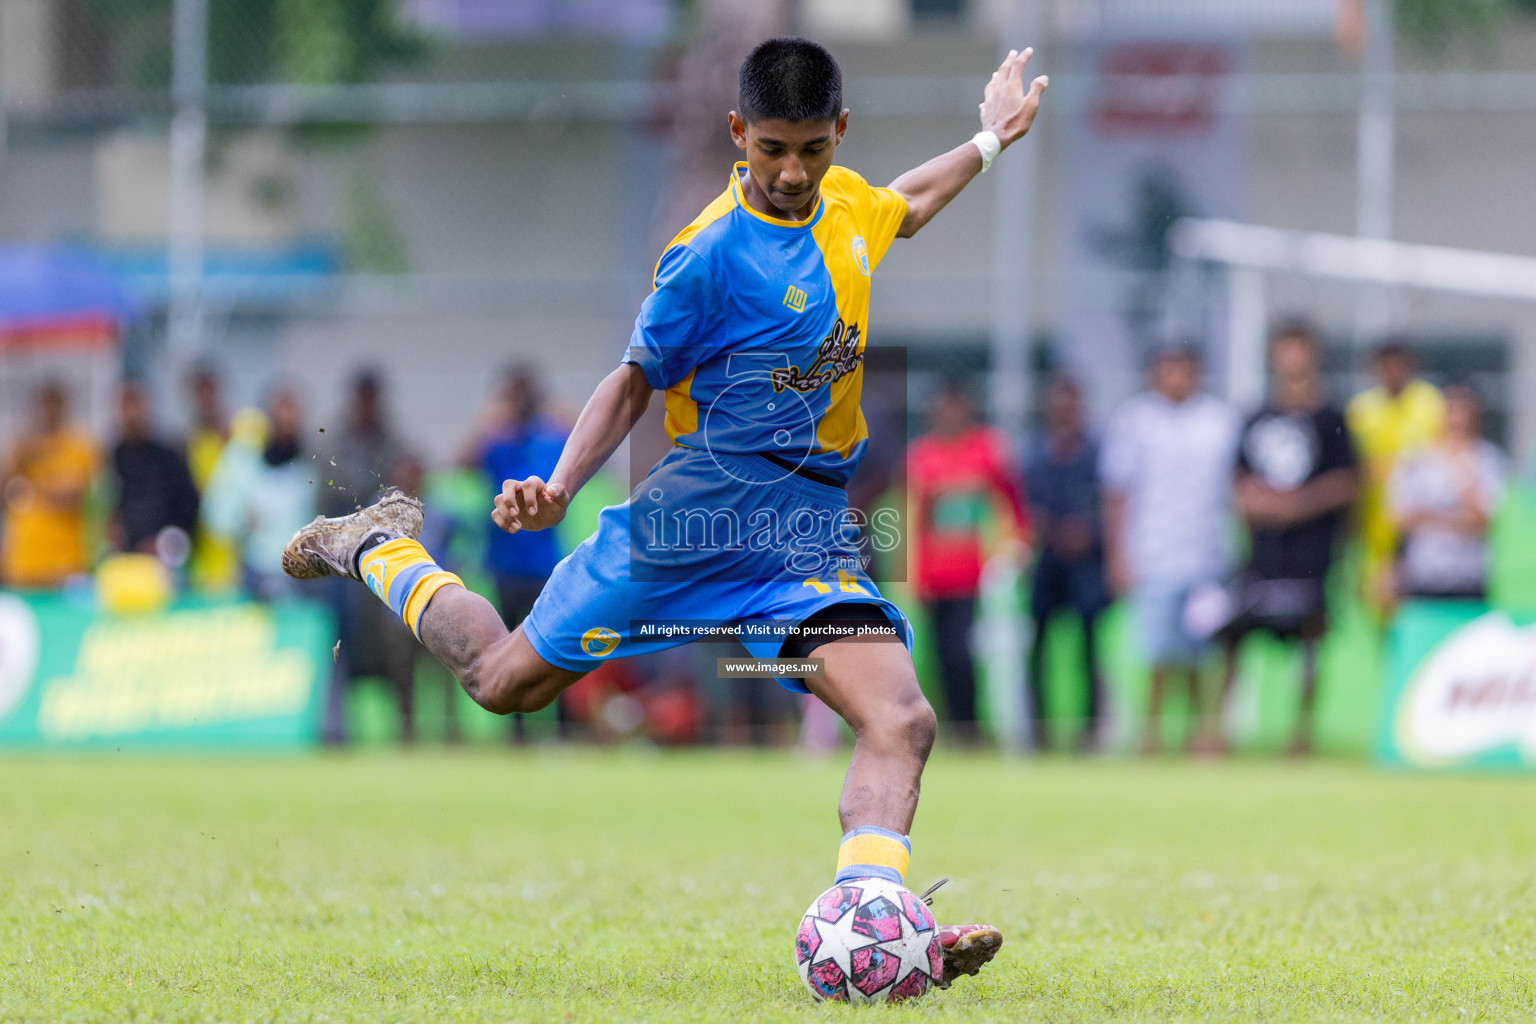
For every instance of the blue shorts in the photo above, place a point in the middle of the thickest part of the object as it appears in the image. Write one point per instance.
(708, 540)
(1160, 629)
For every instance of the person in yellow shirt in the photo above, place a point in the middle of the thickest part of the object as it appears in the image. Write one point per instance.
(1400, 414)
(46, 480)
(215, 564)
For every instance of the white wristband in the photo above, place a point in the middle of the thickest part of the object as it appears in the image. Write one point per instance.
(989, 146)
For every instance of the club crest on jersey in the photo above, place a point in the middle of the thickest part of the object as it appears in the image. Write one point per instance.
(861, 254)
(599, 641)
(838, 355)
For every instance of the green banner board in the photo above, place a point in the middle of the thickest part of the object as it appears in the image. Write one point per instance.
(196, 675)
(1461, 688)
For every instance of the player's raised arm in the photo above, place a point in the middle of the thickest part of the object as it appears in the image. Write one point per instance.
(1007, 111)
(605, 421)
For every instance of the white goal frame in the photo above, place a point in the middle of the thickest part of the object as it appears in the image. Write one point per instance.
(1250, 252)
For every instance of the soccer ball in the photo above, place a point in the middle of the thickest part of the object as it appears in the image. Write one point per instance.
(868, 941)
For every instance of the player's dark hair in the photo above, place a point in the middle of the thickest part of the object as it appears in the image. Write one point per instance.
(790, 79)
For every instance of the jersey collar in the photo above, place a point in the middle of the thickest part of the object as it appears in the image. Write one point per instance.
(741, 201)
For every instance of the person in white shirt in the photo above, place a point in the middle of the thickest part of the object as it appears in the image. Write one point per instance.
(1167, 466)
(263, 488)
(1441, 498)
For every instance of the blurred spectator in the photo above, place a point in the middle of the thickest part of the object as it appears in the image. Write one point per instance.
(1061, 476)
(1166, 467)
(1442, 498)
(45, 482)
(215, 557)
(262, 489)
(154, 488)
(516, 440)
(357, 457)
(1401, 413)
(958, 474)
(209, 428)
(354, 467)
(1296, 477)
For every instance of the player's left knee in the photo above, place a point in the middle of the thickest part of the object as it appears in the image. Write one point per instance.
(922, 729)
(910, 726)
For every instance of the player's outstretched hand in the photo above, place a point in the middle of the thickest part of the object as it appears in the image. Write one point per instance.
(529, 504)
(1007, 110)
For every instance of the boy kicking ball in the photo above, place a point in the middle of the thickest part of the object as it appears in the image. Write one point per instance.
(755, 333)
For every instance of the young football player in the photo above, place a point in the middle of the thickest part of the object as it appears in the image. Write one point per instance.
(755, 334)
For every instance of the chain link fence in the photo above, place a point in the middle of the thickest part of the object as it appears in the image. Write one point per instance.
(399, 185)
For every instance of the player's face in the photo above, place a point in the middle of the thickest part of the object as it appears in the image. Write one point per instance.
(786, 161)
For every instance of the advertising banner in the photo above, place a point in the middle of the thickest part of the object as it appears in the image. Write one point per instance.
(1461, 689)
(217, 675)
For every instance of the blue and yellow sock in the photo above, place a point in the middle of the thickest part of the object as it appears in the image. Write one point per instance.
(873, 852)
(403, 576)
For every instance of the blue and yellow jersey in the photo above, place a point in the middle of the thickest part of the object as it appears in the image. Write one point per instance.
(756, 327)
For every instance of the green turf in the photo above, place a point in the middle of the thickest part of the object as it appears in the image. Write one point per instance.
(625, 885)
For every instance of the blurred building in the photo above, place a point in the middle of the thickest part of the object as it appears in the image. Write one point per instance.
(484, 184)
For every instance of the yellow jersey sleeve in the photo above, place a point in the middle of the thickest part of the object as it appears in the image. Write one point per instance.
(878, 212)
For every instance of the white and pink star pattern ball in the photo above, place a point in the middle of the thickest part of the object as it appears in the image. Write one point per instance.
(868, 941)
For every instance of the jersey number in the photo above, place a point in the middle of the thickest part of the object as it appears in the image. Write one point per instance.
(846, 583)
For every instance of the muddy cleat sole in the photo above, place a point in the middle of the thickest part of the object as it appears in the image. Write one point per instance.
(329, 547)
(967, 949)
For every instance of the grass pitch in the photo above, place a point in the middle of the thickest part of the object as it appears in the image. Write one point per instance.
(581, 885)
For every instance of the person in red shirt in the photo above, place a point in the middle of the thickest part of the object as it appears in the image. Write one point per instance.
(960, 476)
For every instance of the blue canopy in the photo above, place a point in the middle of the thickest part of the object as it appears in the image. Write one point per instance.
(40, 284)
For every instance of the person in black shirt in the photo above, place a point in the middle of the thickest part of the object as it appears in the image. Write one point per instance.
(1297, 475)
(154, 487)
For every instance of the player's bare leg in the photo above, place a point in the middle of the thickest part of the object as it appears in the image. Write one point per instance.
(500, 670)
(874, 687)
